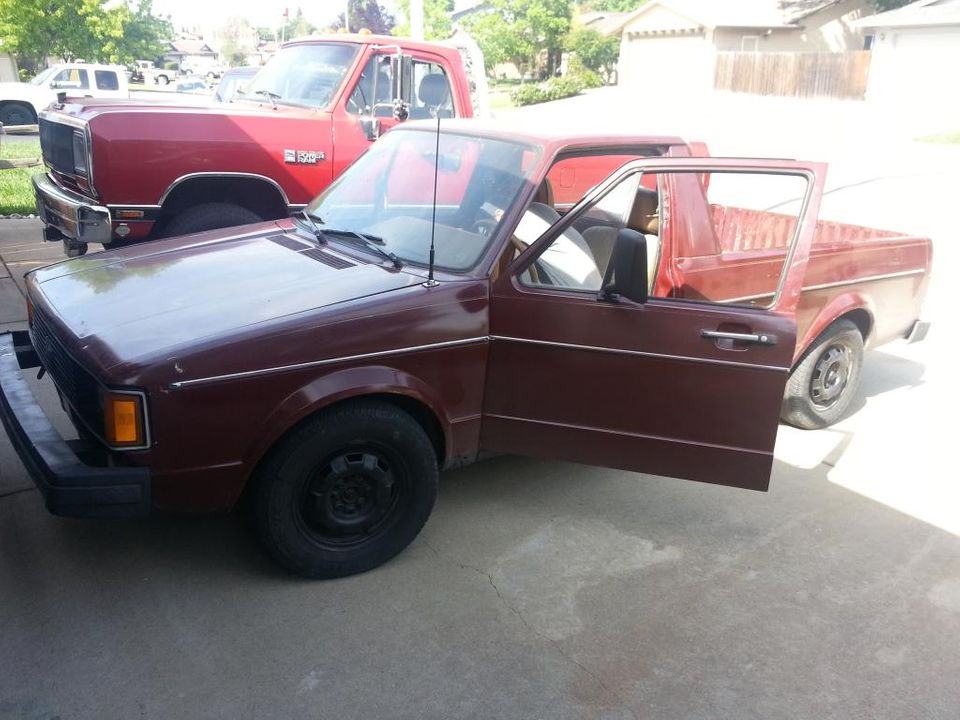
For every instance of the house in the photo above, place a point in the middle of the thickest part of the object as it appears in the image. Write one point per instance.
(605, 23)
(8, 68)
(916, 53)
(679, 39)
(190, 52)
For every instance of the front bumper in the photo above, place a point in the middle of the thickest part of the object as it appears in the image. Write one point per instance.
(70, 213)
(69, 486)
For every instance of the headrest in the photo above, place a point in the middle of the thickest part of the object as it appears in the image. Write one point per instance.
(434, 90)
(544, 193)
(644, 217)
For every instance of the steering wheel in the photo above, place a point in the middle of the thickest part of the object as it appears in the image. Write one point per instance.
(484, 227)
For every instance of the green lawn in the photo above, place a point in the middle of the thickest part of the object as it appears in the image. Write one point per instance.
(946, 138)
(16, 193)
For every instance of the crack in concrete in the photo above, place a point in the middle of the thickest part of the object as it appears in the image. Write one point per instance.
(18, 491)
(554, 643)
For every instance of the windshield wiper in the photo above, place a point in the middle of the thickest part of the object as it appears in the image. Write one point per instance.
(311, 225)
(369, 242)
(271, 96)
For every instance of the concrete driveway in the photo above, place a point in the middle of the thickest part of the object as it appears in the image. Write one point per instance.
(541, 589)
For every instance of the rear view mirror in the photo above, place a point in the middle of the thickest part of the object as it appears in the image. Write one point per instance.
(626, 275)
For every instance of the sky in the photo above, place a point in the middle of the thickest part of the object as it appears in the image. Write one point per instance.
(269, 13)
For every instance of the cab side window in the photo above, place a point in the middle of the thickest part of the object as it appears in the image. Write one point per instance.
(433, 98)
(72, 79)
(372, 93)
(106, 80)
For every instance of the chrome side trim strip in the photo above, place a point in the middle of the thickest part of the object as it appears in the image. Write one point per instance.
(252, 176)
(328, 361)
(645, 436)
(839, 283)
(638, 353)
(871, 278)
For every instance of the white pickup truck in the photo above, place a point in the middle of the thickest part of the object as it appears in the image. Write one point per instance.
(21, 103)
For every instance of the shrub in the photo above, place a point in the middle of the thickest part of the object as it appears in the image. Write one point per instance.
(170, 65)
(552, 89)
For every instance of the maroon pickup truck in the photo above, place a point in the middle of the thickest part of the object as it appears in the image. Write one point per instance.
(124, 171)
(603, 300)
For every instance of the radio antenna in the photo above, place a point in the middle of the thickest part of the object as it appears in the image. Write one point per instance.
(433, 224)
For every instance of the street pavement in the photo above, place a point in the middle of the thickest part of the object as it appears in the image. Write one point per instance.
(546, 589)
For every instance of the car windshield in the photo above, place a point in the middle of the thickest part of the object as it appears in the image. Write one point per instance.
(233, 83)
(387, 194)
(305, 75)
(42, 78)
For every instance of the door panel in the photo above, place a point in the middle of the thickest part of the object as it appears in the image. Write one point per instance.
(639, 386)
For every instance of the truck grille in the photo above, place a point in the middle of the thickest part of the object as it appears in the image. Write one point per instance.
(78, 387)
(56, 145)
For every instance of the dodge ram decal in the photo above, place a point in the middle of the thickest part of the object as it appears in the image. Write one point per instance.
(303, 157)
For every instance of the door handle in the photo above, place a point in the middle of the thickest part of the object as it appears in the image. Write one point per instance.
(753, 338)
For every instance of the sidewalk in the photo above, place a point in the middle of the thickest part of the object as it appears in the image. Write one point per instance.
(21, 249)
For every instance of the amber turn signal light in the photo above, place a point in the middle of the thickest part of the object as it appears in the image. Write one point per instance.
(123, 419)
(130, 214)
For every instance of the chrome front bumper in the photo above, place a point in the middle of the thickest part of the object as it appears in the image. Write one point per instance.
(70, 213)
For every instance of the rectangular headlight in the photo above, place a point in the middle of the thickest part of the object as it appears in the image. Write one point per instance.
(124, 422)
(80, 153)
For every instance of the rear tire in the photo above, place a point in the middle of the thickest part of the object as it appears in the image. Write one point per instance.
(345, 491)
(208, 216)
(824, 383)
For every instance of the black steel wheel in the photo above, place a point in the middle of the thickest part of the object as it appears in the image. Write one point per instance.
(346, 490)
(824, 383)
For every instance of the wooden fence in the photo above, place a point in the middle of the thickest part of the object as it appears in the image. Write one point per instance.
(840, 75)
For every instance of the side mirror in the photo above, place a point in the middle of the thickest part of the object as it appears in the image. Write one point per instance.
(401, 71)
(626, 275)
(371, 127)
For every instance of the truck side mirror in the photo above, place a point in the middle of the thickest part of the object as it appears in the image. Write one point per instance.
(401, 71)
(371, 127)
(626, 275)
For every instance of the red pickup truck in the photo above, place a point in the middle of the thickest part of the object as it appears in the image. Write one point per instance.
(127, 171)
(603, 300)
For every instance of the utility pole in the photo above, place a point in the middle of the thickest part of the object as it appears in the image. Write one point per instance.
(416, 19)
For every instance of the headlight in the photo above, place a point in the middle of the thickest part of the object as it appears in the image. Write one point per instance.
(80, 153)
(124, 422)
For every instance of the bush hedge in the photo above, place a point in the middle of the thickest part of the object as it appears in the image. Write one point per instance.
(552, 89)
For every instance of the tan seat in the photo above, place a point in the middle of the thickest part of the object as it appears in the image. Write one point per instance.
(645, 218)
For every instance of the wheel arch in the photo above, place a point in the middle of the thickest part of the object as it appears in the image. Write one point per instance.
(383, 384)
(28, 104)
(258, 193)
(853, 307)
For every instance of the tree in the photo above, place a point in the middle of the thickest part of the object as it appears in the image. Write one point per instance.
(612, 5)
(437, 24)
(596, 51)
(235, 35)
(298, 26)
(530, 27)
(94, 30)
(266, 34)
(367, 15)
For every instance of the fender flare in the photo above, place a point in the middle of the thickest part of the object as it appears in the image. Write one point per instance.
(838, 307)
(356, 382)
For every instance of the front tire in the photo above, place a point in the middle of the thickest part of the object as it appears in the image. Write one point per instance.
(346, 490)
(824, 383)
(208, 216)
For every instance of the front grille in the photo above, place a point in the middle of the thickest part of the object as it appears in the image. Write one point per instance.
(56, 145)
(78, 387)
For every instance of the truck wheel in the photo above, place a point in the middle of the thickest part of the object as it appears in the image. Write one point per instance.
(345, 491)
(208, 216)
(825, 381)
(14, 113)
(163, 80)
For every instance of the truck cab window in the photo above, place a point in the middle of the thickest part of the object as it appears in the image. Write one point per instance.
(106, 80)
(72, 79)
(433, 97)
(371, 94)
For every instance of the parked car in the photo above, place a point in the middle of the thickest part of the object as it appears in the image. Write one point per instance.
(22, 103)
(159, 76)
(588, 298)
(233, 83)
(209, 70)
(162, 169)
(193, 86)
(139, 69)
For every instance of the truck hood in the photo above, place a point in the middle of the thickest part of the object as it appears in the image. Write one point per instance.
(166, 296)
(89, 108)
(38, 95)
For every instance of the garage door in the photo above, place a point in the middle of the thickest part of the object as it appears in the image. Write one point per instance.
(655, 66)
(913, 70)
